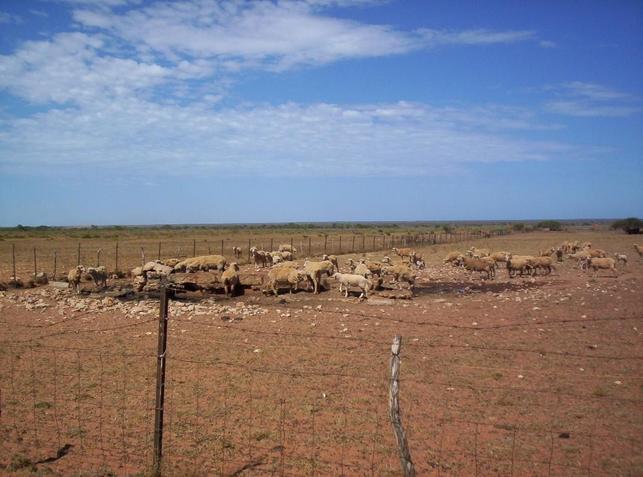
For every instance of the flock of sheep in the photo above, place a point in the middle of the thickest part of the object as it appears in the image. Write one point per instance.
(364, 275)
(485, 262)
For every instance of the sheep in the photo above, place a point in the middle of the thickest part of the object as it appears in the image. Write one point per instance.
(501, 257)
(332, 259)
(315, 270)
(542, 263)
(402, 252)
(230, 279)
(203, 262)
(374, 267)
(362, 269)
(286, 247)
(559, 255)
(416, 260)
(170, 262)
(451, 257)
(621, 258)
(74, 278)
(602, 263)
(346, 280)
(639, 249)
(519, 264)
(99, 275)
(386, 260)
(286, 255)
(276, 257)
(260, 257)
(596, 253)
(401, 273)
(285, 277)
(478, 252)
(137, 272)
(479, 265)
(236, 251)
(548, 252)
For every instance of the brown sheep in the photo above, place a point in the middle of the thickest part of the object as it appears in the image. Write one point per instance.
(284, 277)
(519, 265)
(602, 263)
(639, 249)
(402, 252)
(479, 265)
(230, 279)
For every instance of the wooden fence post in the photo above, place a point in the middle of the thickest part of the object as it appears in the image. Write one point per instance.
(116, 264)
(194, 247)
(78, 255)
(55, 260)
(13, 259)
(272, 246)
(98, 252)
(309, 241)
(249, 250)
(291, 243)
(142, 257)
(161, 361)
(159, 255)
(35, 264)
(222, 241)
(394, 409)
(325, 242)
(340, 244)
(353, 246)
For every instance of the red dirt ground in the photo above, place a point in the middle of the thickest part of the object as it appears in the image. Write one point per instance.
(527, 376)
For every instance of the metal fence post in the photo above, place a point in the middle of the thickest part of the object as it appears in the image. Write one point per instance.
(161, 362)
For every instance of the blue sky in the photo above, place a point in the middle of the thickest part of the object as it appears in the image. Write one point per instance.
(131, 111)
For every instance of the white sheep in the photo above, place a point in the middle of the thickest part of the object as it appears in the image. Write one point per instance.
(74, 278)
(236, 251)
(621, 258)
(347, 280)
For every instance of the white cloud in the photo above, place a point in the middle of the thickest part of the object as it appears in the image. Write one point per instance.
(401, 139)
(272, 35)
(583, 99)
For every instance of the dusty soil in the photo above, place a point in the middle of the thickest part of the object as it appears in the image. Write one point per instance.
(533, 376)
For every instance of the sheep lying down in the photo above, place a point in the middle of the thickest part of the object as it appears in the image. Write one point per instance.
(347, 280)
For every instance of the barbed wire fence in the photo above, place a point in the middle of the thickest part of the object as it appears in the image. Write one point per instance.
(318, 406)
(57, 257)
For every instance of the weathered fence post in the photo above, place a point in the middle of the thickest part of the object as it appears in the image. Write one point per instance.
(161, 361)
(142, 257)
(248, 250)
(13, 259)
(340, 244)
(55, 263)
(363, 241)
(194, 247)
(291, 243)
(78, 255)
(116, 264)
(222, 241)
(309, 242)
(272, 247)
(35, 264)
(159, 255)
(353, 245)
(98, 252)
(325, 242)
(394, 409)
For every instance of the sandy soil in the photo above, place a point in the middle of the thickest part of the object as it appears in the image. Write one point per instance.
(533, 376)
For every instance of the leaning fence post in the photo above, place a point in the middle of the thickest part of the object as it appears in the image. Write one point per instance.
(160, 381)
(394, 409)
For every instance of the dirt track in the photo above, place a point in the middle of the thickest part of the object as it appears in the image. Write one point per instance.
(525, 377)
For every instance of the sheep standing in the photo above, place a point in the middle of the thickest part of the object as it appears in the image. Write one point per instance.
(286, 247)
(518, 265)
(346, 280)
(230, 279)
(639, 249)
(543, 263)
(315, 271)
(99, 275)
(602, 264)
(236, 251)
(74, 278)
(479, 265)
(402, 252)
(284, 277)
(451, 257)
(332, 259)
(621, 258)
(203, 262)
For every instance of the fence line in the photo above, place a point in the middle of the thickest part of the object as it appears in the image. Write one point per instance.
(112, 255)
